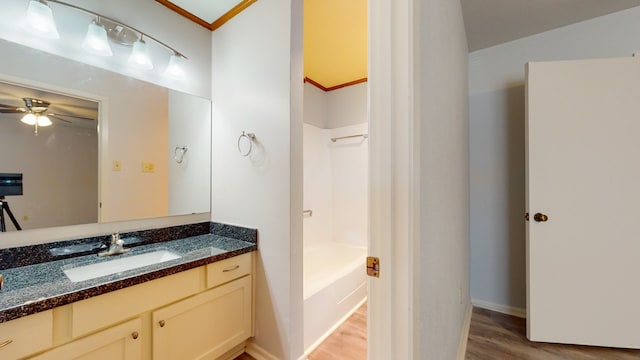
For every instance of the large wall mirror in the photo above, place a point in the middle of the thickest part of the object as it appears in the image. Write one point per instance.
(117, 148)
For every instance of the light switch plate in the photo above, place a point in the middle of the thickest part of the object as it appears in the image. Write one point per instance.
(148, 167)
(117, 165)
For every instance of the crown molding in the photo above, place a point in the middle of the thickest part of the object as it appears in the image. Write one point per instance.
(335, 87)
(209, 26)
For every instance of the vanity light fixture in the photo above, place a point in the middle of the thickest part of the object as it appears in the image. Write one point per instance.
(96, 41)
(40, 21)
(140, 55)
(174, 70)
(102, 29)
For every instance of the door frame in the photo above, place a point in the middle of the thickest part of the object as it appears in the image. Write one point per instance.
(394, 168)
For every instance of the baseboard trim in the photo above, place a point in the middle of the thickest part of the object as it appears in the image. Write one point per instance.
(258, 352)
(464, 334)
(509, 310)
(234, 353)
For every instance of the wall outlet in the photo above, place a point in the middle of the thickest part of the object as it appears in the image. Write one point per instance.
(117, 165)
(148, 167)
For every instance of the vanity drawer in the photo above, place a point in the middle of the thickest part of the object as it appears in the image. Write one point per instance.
(226, 270)
(26, 335)
(101, 311)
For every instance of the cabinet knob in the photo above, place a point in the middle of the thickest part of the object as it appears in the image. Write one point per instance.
(161, 323)
(135, 335)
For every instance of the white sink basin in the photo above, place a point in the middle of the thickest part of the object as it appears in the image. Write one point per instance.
(118, 264)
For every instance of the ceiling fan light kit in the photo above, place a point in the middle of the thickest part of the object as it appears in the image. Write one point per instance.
(37, 113)
(40, 20)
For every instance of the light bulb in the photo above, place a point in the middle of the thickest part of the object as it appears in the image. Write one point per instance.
(29, 119)
(40, 21)
(43, 120)
(96, 41)
(140, 56)
(174, 70)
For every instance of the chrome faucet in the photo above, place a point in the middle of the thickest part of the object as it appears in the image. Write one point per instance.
(116, 247)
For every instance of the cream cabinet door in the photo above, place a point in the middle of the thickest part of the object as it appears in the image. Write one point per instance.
(26, 335)
(121, 342)
(204, 326)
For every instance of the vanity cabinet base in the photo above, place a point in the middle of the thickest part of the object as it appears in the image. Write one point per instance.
(205, 326)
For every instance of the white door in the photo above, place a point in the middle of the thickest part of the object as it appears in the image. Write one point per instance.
(583, 173)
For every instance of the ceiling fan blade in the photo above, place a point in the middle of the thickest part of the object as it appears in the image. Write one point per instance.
(57, 118)
(10, 109)
(72, 116)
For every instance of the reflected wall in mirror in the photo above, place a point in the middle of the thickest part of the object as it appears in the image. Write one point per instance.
(140, 126)
(52, 141)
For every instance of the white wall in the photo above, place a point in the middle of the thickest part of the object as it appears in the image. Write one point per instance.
(257, 87)
(444, 180)
(315, 106)
(347, 106)
(188, 37)
(336, 108)
(71, 153)
(317, 185)
(335, 174)
(496, 100)
(349, 179)
(335, 185)
(189, 181)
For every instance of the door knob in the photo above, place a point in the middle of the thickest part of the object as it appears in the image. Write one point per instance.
(539, 217)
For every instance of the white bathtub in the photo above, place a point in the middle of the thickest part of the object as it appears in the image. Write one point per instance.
(334, 287)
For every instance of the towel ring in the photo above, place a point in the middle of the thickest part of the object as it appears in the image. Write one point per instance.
(180, 157)
(248, 137)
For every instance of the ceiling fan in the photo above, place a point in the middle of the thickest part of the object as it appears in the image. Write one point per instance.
(37, 113)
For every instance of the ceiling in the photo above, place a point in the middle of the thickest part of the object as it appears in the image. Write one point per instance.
(210, 14)
(335, 41)
(335, 31)
(492, 22)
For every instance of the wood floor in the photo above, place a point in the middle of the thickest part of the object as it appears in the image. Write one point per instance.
(492, 336)
(348, 342)
(495, 336)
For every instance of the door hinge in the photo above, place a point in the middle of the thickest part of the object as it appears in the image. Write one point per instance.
(526, 217)
(373, 266)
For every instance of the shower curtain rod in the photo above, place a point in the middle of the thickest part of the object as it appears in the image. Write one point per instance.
(348, 137)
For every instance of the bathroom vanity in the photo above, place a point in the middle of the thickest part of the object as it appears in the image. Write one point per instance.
(196, 305)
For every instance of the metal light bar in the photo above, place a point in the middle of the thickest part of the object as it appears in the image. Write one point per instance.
(142, 34)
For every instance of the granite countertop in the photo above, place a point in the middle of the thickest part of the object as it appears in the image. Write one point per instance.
(38, 287)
